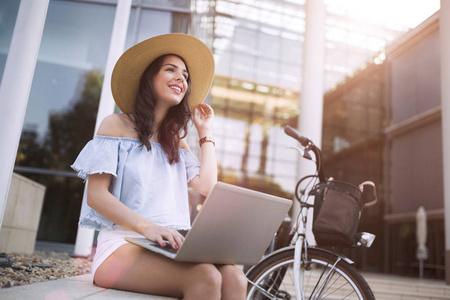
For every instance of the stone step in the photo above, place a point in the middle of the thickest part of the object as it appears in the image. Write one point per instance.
(74, 288)
(387, 287)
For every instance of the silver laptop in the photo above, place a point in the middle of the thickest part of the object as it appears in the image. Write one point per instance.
(234, 226)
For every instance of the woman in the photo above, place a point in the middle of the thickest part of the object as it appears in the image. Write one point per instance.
(139, 169)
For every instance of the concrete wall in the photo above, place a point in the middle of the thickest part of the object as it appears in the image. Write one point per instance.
(21, 219)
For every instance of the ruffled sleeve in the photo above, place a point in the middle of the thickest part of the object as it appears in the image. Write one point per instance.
(100, 155)
(192, 165)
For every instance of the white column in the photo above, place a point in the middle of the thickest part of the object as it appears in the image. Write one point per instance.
(312, 89)
(16, 85)
(311, 99)
(444, 36)
(85, 237)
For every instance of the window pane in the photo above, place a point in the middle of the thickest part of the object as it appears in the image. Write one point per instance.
(169, 3)
(8, 14)
(72, 47)
(154, 23)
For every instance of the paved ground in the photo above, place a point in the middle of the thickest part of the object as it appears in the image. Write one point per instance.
(385, 287)
(79, 287)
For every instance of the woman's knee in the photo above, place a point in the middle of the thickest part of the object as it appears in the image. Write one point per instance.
(205, 277)
(233, 277)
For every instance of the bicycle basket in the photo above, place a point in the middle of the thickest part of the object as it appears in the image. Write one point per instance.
(336, 222)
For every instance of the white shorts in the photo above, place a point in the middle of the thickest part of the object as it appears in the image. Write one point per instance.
(108, 241)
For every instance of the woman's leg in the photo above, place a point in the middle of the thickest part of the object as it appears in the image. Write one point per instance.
(136, 269)
(234, 282)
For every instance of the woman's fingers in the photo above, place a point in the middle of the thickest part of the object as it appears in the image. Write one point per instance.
(164, 236)
(172, 242)
(205, 109)
(179, 239)
(160, 241)
(172, 236)
(176, 239)
(203, 116)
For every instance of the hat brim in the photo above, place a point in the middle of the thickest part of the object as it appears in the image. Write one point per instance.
(133, 62)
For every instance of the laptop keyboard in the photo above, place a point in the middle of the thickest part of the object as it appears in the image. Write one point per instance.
(183, 232)
(168, 247)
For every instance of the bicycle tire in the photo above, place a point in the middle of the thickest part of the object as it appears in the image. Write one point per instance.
(274, 275)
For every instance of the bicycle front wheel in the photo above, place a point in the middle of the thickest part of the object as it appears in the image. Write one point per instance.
(273, 278)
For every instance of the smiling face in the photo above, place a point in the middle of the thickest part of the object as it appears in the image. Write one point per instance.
(170, 83)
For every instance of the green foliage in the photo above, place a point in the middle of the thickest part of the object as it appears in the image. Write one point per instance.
(70, 130)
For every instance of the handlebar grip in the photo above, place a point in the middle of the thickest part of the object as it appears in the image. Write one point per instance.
(296, 135)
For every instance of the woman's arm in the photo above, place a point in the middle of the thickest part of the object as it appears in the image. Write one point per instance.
(204, 182)
(100, 199)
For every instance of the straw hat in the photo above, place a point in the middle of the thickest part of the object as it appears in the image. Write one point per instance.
(133, 62)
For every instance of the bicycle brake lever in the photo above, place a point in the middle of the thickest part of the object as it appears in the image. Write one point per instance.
(305, 154)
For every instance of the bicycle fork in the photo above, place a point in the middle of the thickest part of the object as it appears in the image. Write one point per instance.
(298, 276)
(321, 285)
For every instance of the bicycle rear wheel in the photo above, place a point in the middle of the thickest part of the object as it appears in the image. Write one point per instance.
(273, 278)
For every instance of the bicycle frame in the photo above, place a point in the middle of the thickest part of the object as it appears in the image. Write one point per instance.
(300, 242)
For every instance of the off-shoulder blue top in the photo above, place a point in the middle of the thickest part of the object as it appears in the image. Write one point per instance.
(143, 180)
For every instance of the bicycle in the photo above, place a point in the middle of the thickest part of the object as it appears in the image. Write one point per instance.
(302, 271)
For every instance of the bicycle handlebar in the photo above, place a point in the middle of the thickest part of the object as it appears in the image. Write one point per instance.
(296, 135)
(309, 146)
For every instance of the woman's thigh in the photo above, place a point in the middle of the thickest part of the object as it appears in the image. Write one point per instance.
(134, 268)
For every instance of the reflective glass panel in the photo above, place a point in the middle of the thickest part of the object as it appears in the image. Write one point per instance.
(74, 47)
(180, 4)
(8, 15)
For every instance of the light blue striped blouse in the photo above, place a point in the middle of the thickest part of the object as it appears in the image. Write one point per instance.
(143, 180)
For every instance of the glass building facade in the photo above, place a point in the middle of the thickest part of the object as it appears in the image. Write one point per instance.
(256, 92)
(258, 49)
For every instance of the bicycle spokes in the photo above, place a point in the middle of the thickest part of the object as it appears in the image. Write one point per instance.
(323, 281)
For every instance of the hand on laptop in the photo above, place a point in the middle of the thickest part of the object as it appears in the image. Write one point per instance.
(162, 235)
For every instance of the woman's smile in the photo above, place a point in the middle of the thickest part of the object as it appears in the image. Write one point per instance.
(177, 88)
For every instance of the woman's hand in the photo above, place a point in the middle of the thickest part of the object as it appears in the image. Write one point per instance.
(160, 234)
(203, 118)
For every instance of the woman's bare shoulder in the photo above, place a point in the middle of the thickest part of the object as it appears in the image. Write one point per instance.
(118, 125)
(184, 145)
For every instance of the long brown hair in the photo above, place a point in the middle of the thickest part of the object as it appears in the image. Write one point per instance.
(173, 127)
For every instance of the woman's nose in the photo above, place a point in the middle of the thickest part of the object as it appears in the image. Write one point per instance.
(180, 78)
